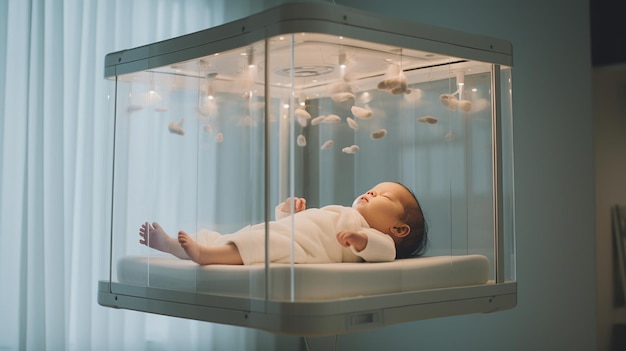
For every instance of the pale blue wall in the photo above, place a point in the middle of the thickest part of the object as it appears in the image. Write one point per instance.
(553, 173)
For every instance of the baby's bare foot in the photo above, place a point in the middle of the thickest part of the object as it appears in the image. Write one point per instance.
(191, 247)
(154, 236)
(203, 255)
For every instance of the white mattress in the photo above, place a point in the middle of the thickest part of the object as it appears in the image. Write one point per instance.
(313, 282)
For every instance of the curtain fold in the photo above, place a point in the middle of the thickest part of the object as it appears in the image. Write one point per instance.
(55, 173)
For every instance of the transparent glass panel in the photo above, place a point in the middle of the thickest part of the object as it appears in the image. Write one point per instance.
(190, 155)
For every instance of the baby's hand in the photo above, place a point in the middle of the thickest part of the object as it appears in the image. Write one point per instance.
(357, 240)
(299, 204)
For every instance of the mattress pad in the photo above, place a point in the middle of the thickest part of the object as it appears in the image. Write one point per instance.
(311, 282)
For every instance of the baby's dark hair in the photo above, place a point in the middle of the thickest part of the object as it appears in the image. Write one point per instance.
(414, 244)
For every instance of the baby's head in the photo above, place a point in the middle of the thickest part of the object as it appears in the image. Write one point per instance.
(394, 210)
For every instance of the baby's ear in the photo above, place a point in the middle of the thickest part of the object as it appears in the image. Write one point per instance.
(400, 231)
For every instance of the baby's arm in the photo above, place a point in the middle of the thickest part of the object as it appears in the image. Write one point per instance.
(299, 204)
(358, 240)
(369, 244)
(284, 209)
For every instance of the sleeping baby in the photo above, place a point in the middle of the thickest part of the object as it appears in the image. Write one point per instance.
(383, 224)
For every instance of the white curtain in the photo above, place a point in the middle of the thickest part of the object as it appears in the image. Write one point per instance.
(55, 146)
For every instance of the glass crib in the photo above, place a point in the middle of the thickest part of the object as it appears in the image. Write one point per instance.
(213, 130)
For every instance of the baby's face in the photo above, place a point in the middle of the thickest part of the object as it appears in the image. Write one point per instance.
(383, 205)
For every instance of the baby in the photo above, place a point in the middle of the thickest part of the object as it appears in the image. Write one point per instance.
(383, 224)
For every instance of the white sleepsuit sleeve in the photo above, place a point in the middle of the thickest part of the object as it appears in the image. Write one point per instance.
(278, 214)
(380, 247)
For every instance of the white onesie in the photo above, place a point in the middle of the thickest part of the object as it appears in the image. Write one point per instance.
(315, 241)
